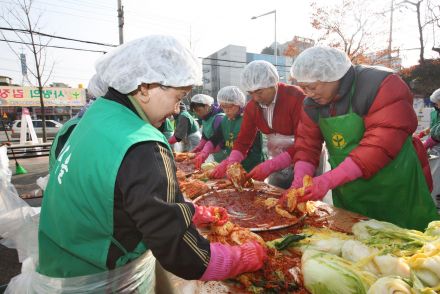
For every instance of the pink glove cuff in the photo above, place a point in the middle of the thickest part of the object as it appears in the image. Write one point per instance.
(172, 140)
(220, 264)
(304, 168)
(346, 172)
(429, 143)
(280, 161)
(229, 261)
(301, 169)
(235, 156)
(199, 146)
(208, 148)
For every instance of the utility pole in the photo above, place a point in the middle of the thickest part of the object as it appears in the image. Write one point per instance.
(121, 22)
(391, 34)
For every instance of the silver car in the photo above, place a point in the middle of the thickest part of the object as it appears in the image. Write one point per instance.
(52, 127)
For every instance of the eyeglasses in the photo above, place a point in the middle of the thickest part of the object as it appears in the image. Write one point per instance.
(166, 88)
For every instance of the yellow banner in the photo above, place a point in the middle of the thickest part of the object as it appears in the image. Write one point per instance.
(30, 96)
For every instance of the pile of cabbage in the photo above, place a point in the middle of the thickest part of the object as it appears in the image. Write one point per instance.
(378, 258)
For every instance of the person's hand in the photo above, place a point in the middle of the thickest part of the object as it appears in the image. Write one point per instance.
(229, 261)
(172, 140)
(346, 172)
(423, 133)
(220, 170)
(260, 172)
(199, 146)
(209, 215)
(300, 170)
(319, 188)
(429, 143)
(264, 169)
(200, 159)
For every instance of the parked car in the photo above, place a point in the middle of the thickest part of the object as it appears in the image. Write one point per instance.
(52, 127)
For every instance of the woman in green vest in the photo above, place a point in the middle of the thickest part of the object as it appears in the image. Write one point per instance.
(211, 115)
(365, 116)
(433, 141)
(187, 130)
(232, 101)
(112, 198)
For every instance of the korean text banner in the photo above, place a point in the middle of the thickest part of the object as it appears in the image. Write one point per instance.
(30, 96)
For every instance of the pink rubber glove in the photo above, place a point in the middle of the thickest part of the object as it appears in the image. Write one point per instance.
(220, 170)
(207, 215)
(172, 140)
(429, 143)
(300, 170)
(202, 155)
(229, 261)
(346, 172)
(423, 133)
(264, 169)
(199, 147)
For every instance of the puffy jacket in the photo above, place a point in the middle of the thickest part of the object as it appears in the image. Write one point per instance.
(384, 101)
(285, 118)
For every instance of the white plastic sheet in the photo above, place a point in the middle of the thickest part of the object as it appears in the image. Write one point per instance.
(19, 230)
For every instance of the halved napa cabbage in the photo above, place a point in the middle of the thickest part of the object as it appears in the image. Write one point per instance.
(391, 285)
(327, 273)
(433, 229)
(323, 239)
(426, 265)
(390, 238)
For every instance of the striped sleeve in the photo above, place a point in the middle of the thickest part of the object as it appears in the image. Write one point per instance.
(154, 202)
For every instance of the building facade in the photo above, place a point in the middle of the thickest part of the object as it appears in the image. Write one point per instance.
(224, 67)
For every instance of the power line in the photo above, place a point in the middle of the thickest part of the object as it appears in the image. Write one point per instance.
(56, 37)
(236, 61)
(52, 46)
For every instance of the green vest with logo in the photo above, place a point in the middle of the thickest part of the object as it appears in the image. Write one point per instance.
(71, 123)
(76, 222)
(193, 125)
(398, 193)
(230, 130)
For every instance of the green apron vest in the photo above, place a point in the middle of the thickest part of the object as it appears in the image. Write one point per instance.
(76, 222)
(193, 125)
(398, 193)
(230, 130)
(69, 124)
(208, 131)
(167, 129)
(435, 118)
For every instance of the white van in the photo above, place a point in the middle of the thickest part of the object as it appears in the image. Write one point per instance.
(52, 127)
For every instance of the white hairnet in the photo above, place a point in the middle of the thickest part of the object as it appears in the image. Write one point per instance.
(202, 98)
(435, 97)
(323, 64)
(259, 74)
(152, 59)
(97, 87)
(232, 95)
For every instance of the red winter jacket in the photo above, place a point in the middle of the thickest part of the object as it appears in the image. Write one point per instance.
(388, 122)
(285, 119)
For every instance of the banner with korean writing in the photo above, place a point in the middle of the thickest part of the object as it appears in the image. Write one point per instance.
(30, 96)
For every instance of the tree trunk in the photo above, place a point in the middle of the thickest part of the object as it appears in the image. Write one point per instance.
(40, 86)
(419, 25)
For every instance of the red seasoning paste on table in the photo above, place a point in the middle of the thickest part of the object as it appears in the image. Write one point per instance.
(248, 209)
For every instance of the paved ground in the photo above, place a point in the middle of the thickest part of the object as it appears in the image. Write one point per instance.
(25, 185)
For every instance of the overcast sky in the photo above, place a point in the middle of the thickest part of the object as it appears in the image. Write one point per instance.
(205, 25)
